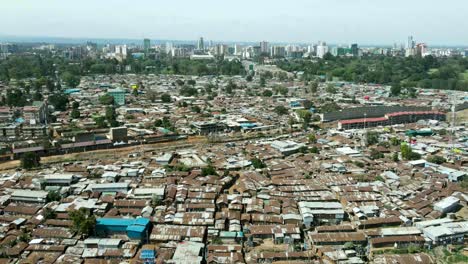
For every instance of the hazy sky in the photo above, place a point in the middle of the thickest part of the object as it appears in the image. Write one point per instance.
(335, 21)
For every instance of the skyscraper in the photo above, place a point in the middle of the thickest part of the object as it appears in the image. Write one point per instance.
(237, 49)
(354, 49)
(146, 45)
(264, 47)
(410, 43)
(201, 44)
(322, 49)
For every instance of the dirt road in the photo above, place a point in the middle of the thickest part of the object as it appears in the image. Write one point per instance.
(110, 153)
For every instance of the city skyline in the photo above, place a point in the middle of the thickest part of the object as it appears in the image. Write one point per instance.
(299, 22)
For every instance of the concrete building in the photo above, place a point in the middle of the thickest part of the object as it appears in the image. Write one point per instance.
(28, 196)
(264, 47)
(316, 213)
(118, 94)
(447, 205)
(322, 49)
(286, 147)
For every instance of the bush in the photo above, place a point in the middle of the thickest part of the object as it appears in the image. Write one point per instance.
(30, 160)
(436, 159)
(209, 170)
(257, 163)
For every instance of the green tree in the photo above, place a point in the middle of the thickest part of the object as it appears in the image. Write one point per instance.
(395, 157)
(53, 196)
(249, 78)
(372, 137)
(281, 110)
(257, 163)
(262, 81)
(83, 222)
(75, 105)
(436, 159)
(166, 98)
(71, 79)
(314, 87)
(375, 154)
(196, 109)
(331, 88)
(75, 113)
(312, 138)
(49, 213)
(395, 89)
(395, 141)
(106, 99)
(208, 170)
(59, 101)
(111, 116)
(155, 201)
(187, 90)
(306, 117)
(15, 97)
(100, 122)
(267, 93)
(30, 160)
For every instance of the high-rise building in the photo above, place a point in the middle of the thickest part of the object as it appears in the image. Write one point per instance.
(146, 45)
(237, 49)
(121, 51)
(321, 49)
(169, 47)
(278, 51)
(410, 43)
(421, 49)
(221, 49)
(201, 44)
(354, 49)
(264, 47)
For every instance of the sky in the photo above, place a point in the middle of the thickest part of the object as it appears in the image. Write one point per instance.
(297, 21)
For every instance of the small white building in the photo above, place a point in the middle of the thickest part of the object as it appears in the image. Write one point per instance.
(447, 205)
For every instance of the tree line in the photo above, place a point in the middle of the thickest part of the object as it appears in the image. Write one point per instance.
(447, 73)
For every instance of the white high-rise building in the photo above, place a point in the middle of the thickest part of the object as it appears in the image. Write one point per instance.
(121, 51)
(237, 49)
(169, 47)
(264, 47)
(322, 49)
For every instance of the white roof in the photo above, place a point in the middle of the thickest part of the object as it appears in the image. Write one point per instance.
(30, 194)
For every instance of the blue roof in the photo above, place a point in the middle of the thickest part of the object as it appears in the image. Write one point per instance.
(72, 90)
(136, 228)
(248, 125)
(115, 221)
(147, 254)
(19, 120)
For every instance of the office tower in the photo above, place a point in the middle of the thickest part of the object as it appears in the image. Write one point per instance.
(322, 49)
(169, 47)
(421, 49)
(121, 51)
(201, 44)
(146, 45)
(278, 51)
(264, 47)
(237, 49)
(354, 50)
(221, 49)
(410, 43)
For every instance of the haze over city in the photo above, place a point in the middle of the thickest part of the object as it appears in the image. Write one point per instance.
(234, 132)
(335, 21)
